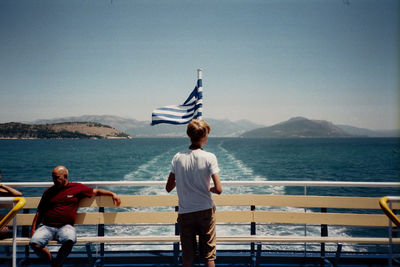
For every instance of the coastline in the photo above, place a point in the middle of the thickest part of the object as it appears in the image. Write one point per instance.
(61, 138)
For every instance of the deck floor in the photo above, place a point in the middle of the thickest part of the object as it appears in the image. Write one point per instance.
(233, 258)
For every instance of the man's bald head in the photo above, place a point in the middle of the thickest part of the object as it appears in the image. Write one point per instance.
(60, 176)
(60, 170)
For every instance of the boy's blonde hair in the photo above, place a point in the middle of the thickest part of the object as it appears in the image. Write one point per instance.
(197, 129)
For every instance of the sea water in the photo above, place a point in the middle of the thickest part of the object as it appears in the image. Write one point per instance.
(149, 159)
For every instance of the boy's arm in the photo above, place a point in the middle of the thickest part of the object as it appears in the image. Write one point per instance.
(103, 192)
(217, 188)
(171, 183)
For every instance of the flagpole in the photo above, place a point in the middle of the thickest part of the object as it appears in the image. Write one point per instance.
(200, 90)
(192, 108)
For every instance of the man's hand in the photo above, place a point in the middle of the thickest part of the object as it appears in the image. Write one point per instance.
(116, 199)
(102, 192)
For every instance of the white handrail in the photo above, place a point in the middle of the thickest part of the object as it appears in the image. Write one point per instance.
(226, 183)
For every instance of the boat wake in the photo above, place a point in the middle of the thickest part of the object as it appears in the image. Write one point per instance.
(158, 168)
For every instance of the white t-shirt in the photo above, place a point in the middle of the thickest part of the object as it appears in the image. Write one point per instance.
(193, 170)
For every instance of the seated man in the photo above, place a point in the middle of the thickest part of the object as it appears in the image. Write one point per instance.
(56, 215)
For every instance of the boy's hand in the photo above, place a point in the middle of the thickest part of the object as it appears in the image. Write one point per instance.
(214, 190)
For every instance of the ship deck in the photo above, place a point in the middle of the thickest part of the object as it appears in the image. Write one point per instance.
(239, 258)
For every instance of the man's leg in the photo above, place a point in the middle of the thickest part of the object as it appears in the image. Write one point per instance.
(210, 264)
(187, 263)
(39, 242)
(63, 253)
(66, 235)
(42, 252)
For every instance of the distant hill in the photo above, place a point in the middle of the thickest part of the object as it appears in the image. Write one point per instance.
(369, 133)
(219, 128)
(135, 128)
(300, 127)
(69, 130)
(116, 122)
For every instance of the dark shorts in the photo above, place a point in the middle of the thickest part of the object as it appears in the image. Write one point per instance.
(200, 223)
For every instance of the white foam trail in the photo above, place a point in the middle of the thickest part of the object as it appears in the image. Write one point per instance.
(157, 169)
(235, 169)
(153, 170)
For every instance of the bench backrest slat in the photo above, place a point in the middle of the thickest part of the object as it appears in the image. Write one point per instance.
(126, 201)
(316, 218)
(132, 201)
(292, 216)
(234, 200)
(317, 202)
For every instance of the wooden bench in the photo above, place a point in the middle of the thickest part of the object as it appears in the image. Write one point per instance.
(348, 211)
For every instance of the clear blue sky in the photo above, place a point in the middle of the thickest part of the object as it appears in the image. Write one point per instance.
(264, 61)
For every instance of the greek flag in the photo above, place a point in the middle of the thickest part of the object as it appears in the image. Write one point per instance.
(192, 108)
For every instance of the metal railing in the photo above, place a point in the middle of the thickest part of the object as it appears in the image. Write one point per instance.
(304, 184)
(227, 183)
(385, 203)
(18, 204)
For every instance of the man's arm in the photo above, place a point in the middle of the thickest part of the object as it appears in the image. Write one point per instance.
(6, 190)
(103, 192)
(37, 220)
(217, 188)
(171, 183)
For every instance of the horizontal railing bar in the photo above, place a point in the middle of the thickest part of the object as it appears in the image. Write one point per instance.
(222, 239)
(394, 198)
(6, 200)
(226, 183)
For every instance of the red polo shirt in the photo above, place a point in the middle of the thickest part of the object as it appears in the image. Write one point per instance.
(58, 206)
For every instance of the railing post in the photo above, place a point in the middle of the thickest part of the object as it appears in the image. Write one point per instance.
(100, 232)
(390, 229)
(14, 257)
(89, 253)
(305, 226)
(176, 244)
(26, 233)
(324, 232)
(252, 232)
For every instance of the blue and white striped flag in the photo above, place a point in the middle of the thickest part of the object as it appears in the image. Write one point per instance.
(192, 108)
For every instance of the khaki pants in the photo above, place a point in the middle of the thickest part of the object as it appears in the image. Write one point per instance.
(200, 223)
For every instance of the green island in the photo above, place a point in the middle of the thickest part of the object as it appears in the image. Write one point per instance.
(65, 130)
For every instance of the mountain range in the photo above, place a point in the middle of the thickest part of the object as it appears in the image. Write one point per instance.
(135, 128)
(297, 127)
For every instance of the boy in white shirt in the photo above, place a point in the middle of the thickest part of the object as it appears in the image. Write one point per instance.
(191, 172)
